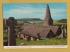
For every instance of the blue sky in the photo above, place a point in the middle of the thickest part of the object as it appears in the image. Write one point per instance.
(34, 10)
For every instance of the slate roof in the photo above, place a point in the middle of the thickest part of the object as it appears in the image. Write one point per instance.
(33, 30)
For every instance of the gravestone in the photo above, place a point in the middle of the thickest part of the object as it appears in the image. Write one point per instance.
(63, 34)
(11, 23)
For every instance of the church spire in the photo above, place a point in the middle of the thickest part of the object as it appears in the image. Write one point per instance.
(48, 20)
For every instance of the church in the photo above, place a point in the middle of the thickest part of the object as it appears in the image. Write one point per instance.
(47, 30)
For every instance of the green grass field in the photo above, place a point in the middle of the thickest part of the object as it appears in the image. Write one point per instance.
(53, 41)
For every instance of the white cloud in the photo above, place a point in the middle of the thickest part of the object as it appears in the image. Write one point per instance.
(57, 10)
(33, 12)
(24, 13)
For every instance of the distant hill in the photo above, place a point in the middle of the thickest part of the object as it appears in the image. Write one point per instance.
(63, 20)
(29, 19)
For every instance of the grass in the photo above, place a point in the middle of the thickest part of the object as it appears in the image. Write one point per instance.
(52, 41)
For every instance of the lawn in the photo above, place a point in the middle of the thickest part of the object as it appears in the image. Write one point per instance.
(53, 41)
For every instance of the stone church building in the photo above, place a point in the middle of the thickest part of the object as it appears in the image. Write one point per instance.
(47, 30)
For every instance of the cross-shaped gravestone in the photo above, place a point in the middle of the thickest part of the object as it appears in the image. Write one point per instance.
(11, 23)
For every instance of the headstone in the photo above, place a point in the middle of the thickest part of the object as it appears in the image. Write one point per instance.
(39, 37)
(62, 35)
(11, 23)
(31, 38)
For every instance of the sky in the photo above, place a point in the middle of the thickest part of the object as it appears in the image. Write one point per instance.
(34, 10)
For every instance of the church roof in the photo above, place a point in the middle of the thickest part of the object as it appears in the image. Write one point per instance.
(33, 30)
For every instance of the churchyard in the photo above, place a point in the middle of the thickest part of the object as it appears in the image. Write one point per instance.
(48, 41)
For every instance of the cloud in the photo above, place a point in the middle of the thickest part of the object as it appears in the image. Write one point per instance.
(57, 10)
(24, 13)
(58, 13)
(33, 11)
